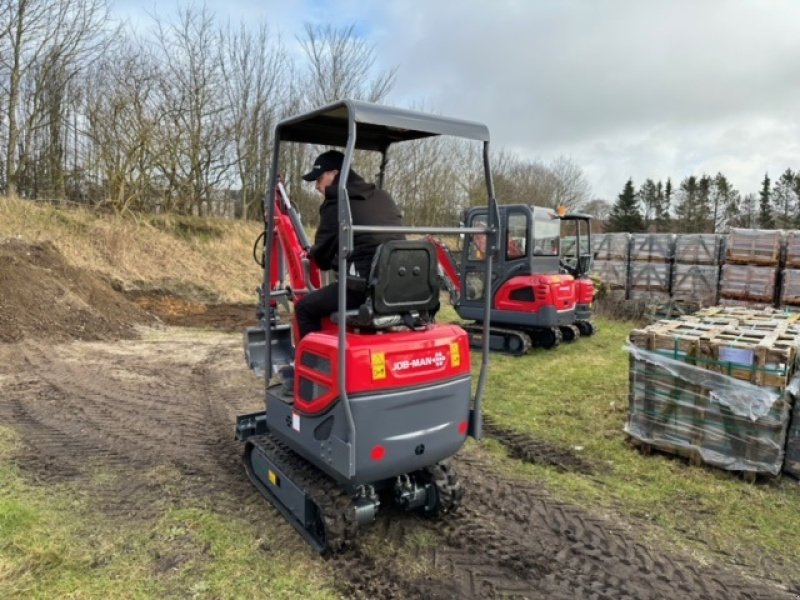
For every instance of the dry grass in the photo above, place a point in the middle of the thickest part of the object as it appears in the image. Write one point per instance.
(209, 258)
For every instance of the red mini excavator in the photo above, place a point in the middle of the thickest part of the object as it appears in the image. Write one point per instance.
(537, 295)
(381, 397)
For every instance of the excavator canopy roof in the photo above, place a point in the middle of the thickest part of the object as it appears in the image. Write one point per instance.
(377, 126)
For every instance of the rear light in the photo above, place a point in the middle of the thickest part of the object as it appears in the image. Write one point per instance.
(462, 428)
(378, 452)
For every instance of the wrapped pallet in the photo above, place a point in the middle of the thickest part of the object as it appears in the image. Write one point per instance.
(613, 273)
(791, 463)
(611, 246)
(793, 249)
(790, 289)
(698, 248)
(650, 281)
(747, 283)
(652, 247)
(714, 390)
(695, 283)
(754, 246)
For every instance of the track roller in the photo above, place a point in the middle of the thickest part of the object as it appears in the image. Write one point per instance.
(548, 338)
(586, 328)
(570, 333)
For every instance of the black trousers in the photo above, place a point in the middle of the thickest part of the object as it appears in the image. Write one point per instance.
(313, 307)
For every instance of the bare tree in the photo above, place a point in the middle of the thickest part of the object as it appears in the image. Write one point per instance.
(194, 126)
(254, 73)
(122, 114)
(48, 42)
(340, 65)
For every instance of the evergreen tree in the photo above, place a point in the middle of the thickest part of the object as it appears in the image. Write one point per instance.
(703, 215)
(661, 212)
(726, 203)
(668, 197)
(686, 210)
(625, 214)
(784, 200)
(649, 201)
(796, 188)
(765, 218)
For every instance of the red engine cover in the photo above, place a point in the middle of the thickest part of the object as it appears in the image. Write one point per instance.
(376, 362)
(530, 293)
(584, 291)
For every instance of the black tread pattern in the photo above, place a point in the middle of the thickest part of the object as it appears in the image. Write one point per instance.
(335, 506)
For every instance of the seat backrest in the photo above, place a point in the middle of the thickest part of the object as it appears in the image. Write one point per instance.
(404, 278)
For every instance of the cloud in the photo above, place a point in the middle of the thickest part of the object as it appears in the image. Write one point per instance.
(625, 88)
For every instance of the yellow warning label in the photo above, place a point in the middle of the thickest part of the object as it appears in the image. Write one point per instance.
(556, 279)
(273, 477)
(378, 365)
(455, 354)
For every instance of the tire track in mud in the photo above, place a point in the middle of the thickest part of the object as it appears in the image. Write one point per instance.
(527, 449)
(161, 414)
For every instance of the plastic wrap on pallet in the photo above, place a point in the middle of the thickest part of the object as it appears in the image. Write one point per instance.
(613, 273)
(793, 249)
(748, 282)
(695, 283)
(611, 246)
(650, 276)
(791, 464)
(754, 246)
(687, 410)
(698, 248)
(652, 247)
(790, 288)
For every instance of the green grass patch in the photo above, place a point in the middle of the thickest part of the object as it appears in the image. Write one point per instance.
(575, 397)
(54, 545)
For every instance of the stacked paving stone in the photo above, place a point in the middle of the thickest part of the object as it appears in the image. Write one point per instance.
(716, 387)
(650, 266)
(749, 276)
(610, 265)
(695, 271)
(790, 277)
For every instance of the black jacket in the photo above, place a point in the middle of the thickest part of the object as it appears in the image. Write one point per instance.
(369, 205)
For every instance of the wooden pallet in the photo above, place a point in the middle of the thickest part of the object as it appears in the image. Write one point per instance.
(748, 282)
(761, 357)
(754, 246)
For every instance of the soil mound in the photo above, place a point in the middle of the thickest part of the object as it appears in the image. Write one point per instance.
(43, 297)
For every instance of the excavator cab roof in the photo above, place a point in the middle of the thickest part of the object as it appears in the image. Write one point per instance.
(376, 126)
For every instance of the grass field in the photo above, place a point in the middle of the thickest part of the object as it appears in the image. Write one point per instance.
(53, 546)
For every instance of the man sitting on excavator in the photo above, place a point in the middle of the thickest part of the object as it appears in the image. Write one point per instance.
(369, 205)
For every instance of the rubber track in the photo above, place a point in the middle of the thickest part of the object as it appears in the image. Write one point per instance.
(334, 504)
(473, 329)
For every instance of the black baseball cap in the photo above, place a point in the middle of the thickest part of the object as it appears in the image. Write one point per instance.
(327, 161)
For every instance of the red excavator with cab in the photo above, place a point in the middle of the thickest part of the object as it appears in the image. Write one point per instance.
(381, 398)
(537, 295)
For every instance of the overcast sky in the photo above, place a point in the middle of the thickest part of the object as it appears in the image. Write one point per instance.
(624, 88)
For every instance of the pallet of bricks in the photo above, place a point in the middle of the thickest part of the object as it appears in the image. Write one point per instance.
(749, 276)
(716, 387)
(695, 271)
(790, 277)
(610, 264)
(651, 268)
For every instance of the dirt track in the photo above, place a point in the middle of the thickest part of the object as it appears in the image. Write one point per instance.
(156, 416)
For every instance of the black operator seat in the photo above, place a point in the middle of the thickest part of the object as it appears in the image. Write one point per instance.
(402, 287)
